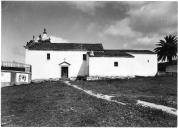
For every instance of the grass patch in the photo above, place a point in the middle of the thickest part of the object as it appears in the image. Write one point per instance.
(53, 104)
(160, 89)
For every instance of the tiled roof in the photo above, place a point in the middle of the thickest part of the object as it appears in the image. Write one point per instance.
(138, 51)
(65, 46)
(111, 53)
(120, 53)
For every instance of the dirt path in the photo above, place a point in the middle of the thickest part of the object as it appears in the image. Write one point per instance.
(156, 106)
(139, 102)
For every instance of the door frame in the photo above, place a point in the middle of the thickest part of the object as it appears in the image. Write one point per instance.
(64, 64)
(67, 67)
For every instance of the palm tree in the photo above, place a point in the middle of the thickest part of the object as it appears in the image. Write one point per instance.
(167, 48)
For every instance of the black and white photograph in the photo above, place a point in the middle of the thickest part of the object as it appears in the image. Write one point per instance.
(89, 63)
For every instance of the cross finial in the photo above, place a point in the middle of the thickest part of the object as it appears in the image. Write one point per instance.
(44, 31)
(64, 59)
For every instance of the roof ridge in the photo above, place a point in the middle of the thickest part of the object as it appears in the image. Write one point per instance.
(129, 49)
(65, 43)
(65, 46)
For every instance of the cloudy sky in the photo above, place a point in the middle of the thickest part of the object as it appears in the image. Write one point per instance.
(118, 25)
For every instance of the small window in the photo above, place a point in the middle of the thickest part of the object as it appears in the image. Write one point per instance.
(115, 64)
(84, 57)
(48, 56)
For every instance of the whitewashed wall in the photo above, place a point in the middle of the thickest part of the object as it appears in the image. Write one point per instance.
(5, 76)
(140, 65)
(22, 78)
(45, 69)
(5, 79)
(145, 64)
(137, 66)
(104, 66)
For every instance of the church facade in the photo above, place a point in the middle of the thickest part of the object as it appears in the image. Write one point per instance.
(72, 60)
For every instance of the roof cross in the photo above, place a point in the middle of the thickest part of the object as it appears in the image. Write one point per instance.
(44, 31)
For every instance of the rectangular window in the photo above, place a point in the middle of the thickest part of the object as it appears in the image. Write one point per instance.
(115, 64)
(48, 56)
(84, 57)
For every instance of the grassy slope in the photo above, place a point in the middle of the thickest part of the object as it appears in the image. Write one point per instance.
(55, 104)
(160, 89)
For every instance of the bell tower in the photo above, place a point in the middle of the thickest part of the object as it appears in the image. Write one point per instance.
(45, 36)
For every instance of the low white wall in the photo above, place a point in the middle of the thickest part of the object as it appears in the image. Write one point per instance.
(140, 65)
(9, 78)
(45, 69)
(5, 76)
(22, 78)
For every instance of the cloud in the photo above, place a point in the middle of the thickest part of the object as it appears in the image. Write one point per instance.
(154, 17)
(91, 27)
(88, 6)
(145, 24)
(58, 40)
(147, 40)
(120, 28)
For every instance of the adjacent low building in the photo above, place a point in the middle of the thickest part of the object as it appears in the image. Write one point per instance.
(14, 73)
(123, 63)
(168, 67)
(72, 60)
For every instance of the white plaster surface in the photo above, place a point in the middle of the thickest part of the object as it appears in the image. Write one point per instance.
(45, 69)
(145, 64)
(104, 66)
(5, 76)
(140, 65)
(22, 77)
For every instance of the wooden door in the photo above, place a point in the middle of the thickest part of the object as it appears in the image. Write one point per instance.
(64, 72)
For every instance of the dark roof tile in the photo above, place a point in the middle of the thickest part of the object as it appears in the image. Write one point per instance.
(138, 51)
(65, 46)
(111, 53)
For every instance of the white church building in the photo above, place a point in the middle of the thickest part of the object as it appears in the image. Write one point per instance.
(72, 60)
